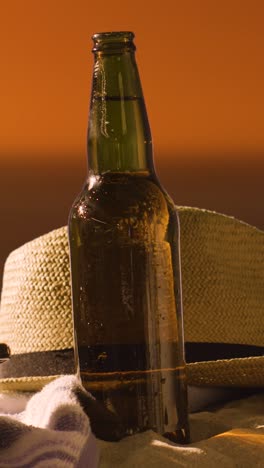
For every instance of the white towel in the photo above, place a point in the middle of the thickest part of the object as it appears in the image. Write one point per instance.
(52, 431)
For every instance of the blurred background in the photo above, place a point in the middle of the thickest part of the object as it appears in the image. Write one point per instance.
(202, 71)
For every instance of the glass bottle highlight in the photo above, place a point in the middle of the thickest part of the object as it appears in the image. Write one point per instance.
(125, 259)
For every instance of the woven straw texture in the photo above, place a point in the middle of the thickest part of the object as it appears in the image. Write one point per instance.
(26, 384)
(36, 299)
(223, 278)
(247, 372)
(223, 293)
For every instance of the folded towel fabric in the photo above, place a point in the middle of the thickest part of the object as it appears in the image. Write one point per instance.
(52, 431)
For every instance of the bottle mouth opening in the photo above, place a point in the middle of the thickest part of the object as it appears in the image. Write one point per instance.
(113, 40)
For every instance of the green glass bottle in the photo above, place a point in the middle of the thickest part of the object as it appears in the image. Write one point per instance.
(125, 262)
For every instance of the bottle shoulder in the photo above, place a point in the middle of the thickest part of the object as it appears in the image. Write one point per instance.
(119, 195)
(124, 207)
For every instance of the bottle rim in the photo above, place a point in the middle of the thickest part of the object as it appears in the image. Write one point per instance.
(113, 36)
(113, 41)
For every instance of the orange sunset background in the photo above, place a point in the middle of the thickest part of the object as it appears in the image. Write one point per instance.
(202, 71)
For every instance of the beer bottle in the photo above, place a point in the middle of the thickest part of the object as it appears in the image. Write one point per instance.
(125, 261)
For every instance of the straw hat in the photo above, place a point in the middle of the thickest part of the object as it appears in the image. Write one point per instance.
(223, 294)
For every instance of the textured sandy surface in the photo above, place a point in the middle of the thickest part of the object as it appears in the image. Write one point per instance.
(231, 436)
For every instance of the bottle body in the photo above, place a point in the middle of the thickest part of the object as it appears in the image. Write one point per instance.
(124, 241)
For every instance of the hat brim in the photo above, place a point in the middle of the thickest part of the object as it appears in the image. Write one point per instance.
(238, 372)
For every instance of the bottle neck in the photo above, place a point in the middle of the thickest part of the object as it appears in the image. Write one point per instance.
(119, 138)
